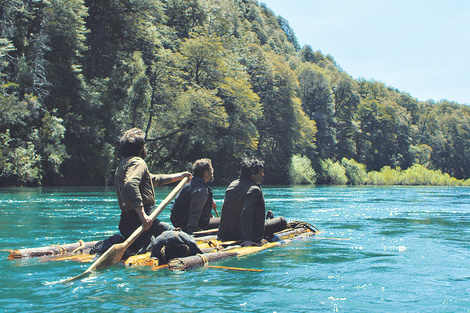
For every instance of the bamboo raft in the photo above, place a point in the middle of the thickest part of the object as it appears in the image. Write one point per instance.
(214, 250)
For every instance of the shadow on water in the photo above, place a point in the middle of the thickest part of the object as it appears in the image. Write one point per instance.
(439, 222)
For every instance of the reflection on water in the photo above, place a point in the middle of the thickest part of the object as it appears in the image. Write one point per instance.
(381, 248)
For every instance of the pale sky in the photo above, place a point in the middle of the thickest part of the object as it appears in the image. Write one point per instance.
(421, 47)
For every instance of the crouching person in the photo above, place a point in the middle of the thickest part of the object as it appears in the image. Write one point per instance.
(173, 244)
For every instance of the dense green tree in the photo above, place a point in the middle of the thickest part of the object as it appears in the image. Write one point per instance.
(224, 79)
(274, 82)
(203, 61)
(385, 137)
(49, 141)
(200, 116)
(70, 95)
(445, 129)
(241, 137)
(355, 172)
(332, 173)
(284, 24)
(32, 134)
(346, 102)
(307, 54)
(119, 28)
(183, 15)
(25, 42)
(410, 104)
(421, 154)
(317, 102)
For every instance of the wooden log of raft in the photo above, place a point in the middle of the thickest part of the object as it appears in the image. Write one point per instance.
(79, 246)
(186, 263)
(290, 233)
(181, 264)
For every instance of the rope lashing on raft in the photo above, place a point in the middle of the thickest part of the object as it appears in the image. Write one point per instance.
(61, 249)
(204, 259)
(213, 243)
(301, 224)
(80, 247)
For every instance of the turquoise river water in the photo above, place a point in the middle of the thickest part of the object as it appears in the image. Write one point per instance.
(381, 249)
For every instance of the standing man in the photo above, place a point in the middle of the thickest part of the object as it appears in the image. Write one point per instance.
(192, 209)
(134, 188)
(243, 211)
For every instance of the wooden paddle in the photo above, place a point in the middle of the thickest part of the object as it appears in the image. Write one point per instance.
(114, 254)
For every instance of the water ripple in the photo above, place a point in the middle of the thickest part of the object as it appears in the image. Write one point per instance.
(380, 248)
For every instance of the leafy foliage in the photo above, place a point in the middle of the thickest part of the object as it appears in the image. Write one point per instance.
(223, 79)
(355, 172)
(332, 173)
(301, 170)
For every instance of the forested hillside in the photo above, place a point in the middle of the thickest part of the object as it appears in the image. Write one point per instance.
(222, 79)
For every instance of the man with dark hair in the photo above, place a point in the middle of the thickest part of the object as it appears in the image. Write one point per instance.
(243, 211)
(192, 208)
(134, 188)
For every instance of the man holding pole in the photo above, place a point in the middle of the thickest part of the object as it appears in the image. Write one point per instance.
(134, 188)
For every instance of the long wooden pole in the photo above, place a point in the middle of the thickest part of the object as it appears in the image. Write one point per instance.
(114, 254)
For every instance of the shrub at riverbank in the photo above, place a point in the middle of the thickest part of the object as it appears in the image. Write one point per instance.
(350, 172)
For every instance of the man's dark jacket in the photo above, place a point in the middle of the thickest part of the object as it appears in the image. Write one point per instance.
(243, 212)
(196, 215)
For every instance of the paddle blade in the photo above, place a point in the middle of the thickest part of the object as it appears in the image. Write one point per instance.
(75, 277)
(112, 256)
